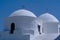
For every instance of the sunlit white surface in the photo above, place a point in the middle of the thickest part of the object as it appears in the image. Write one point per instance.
(48, 22)
(47, 17)
(27, 26)
(47, 36)
(22, 12)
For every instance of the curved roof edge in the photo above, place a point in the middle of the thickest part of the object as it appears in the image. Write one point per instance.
(48, 17)
(23, 12)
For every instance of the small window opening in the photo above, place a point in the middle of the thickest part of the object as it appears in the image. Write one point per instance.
(39, 30)
(12, 28)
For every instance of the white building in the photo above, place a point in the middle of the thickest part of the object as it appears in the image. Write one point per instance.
(24, 25)
(49, 27)
(48, 23)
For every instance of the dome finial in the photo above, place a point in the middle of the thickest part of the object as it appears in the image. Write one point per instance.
(23, 7)
(47, 10)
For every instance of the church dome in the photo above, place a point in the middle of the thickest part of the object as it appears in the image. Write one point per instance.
(48, 18)
(22, 12)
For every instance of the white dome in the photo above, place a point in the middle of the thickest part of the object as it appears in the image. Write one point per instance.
(48, 18)
(22, 12)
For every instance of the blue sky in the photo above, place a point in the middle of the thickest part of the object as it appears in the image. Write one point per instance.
(38, 7)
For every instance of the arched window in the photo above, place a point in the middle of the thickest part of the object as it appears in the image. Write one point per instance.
(12, 28)
(39, 30)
